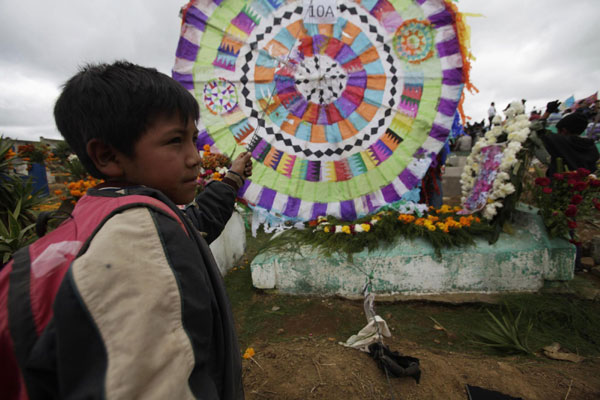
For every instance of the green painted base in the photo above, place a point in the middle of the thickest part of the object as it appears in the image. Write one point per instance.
(519, 262)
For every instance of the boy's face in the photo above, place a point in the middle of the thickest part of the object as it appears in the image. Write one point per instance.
(165, 158)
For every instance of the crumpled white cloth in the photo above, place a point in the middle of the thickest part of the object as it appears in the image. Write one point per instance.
(371, 333)
(375, 329)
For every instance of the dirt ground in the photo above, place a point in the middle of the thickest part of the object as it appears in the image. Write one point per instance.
(298, 355)
(307, 368)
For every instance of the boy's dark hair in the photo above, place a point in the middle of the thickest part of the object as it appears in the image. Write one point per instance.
(116, 103)
(574, 123)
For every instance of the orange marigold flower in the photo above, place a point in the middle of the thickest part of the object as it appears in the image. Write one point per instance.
(10, 154)
(58, 192)
(442, 227)
(464, 221)
(206, 148)
(444, 209)
(249, 353)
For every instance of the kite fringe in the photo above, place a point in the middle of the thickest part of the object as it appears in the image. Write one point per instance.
(463, 33)
(184, 10)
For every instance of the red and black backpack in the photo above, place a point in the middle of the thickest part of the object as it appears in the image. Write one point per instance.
(30, 281)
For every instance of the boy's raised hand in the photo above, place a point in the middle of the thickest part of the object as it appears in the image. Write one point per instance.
(242, 165)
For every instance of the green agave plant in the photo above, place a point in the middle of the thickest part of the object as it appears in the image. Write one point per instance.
(13, 235)
(17, 196)
(505, 333)
(15, 189)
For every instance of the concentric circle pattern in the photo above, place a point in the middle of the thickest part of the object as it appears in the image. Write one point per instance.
(414, 41)
(320, 79)
(341, 118)
(220, 96)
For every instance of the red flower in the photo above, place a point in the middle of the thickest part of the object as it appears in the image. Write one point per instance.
(571, 210)
(597, 204)
(571, 182)
(576, 199)
(582, 172)
(542, 181)
(572, 224)
(575, 242)
(558, 177)
(547, 190)
(571, 174)
(313, 223)
(580, 186)
(594, 182)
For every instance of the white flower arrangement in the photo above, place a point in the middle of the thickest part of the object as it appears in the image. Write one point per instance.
(516, 126)
(411, 207)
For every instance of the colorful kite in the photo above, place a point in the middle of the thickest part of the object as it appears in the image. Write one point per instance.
(342, 104)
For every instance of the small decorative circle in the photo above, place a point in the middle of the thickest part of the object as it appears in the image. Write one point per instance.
(414, 41)
(320, 79)
(220, 96)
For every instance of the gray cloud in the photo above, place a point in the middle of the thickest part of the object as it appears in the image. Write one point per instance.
(42, 44)
(535, 50)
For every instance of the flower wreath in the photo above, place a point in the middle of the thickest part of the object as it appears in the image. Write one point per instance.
(405, 208)
(442, 227)
(516, 130)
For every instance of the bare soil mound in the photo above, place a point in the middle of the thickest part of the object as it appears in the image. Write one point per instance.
(305, 368)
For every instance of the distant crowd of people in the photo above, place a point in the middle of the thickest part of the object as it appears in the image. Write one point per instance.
(586, 111)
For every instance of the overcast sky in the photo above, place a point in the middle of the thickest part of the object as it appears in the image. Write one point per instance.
(539, 50)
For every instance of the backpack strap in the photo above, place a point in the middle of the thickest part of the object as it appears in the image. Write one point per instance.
(20, 315)
(142, 200)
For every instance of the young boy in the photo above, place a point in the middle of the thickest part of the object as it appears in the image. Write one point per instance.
(140, 311)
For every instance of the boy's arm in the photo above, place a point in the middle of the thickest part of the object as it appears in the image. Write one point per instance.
(212, 208)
